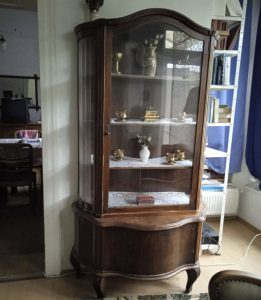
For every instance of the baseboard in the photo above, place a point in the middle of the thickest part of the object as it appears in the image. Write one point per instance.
(27, 276)
(217, 218)
(250, 226)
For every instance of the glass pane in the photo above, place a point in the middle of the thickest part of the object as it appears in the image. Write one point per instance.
(16, 89)
(86, 123)
(156, 72)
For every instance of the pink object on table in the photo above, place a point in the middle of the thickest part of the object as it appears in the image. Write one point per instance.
(27, 134)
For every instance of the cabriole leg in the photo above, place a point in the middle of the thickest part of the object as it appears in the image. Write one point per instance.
(193, 274)
(99, 286)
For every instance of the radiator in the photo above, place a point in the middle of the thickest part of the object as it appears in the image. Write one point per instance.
(213, 201)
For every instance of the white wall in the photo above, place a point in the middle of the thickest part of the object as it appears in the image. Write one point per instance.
(20, 29)
(199, 11)
(57, 19)
(21, 58)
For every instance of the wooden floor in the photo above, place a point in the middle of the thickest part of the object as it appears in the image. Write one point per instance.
(236, 239)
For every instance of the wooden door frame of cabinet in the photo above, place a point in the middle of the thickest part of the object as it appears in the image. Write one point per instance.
(104, 36)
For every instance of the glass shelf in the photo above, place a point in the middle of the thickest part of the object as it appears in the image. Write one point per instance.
(153, 163)
(144, 77)
(165, 121)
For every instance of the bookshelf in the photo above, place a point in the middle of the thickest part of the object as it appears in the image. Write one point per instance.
(221, 81)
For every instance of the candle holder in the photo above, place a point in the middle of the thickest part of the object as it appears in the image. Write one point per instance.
(118, 154)
(180, 154)
(121, 115)
(116, 58)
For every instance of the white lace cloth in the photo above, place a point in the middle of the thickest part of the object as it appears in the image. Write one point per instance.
(117, 199)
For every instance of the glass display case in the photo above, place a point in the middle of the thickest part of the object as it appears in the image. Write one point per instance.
(142, 92)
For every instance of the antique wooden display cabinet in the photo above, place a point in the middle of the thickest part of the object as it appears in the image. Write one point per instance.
(142, 92)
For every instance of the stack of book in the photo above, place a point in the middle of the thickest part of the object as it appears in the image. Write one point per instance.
(224, 114)
(218, 113)
(212, 185)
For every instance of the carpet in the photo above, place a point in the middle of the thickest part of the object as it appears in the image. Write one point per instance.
(161, 297)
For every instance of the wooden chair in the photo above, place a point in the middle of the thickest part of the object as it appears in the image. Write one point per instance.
(16, 162)
(234, 285)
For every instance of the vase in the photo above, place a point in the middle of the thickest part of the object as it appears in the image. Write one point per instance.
(150, 61)
(144, 153)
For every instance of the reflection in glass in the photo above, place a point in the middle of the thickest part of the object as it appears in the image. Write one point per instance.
(158, 89)
(86, 122)
(19, 88)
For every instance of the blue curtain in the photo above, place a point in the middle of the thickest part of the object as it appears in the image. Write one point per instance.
(218, 136)
(253, 145)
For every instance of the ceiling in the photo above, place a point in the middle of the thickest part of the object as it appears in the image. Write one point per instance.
(19, 4)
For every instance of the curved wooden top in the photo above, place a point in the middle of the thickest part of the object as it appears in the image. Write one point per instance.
(144, 221)
(151, 13)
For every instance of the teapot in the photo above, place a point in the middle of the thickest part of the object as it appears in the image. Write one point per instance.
(118, 154)
(171, 158)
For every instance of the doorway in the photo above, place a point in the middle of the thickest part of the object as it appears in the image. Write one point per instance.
(21, 230)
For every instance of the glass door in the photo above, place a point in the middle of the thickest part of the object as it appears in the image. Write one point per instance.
(156, 71)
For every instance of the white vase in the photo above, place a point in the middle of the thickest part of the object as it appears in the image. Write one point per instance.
(144, 153)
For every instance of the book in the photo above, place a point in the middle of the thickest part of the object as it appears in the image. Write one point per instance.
(215, 109)
(212, 185)
(220, 70)
(224, 115)
(223, 109)
(226, 70)
(210, 109)
(224, 120)
(214, 71)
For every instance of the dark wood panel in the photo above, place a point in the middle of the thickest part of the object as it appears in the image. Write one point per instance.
(84, 240)
(124, 180)
(151, 180)
(124, 250)
(147, 253)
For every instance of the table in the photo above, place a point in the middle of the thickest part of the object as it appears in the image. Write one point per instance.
(37, 152)
(7, 130)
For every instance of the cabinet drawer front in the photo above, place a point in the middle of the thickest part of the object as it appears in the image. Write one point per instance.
(147, 252)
